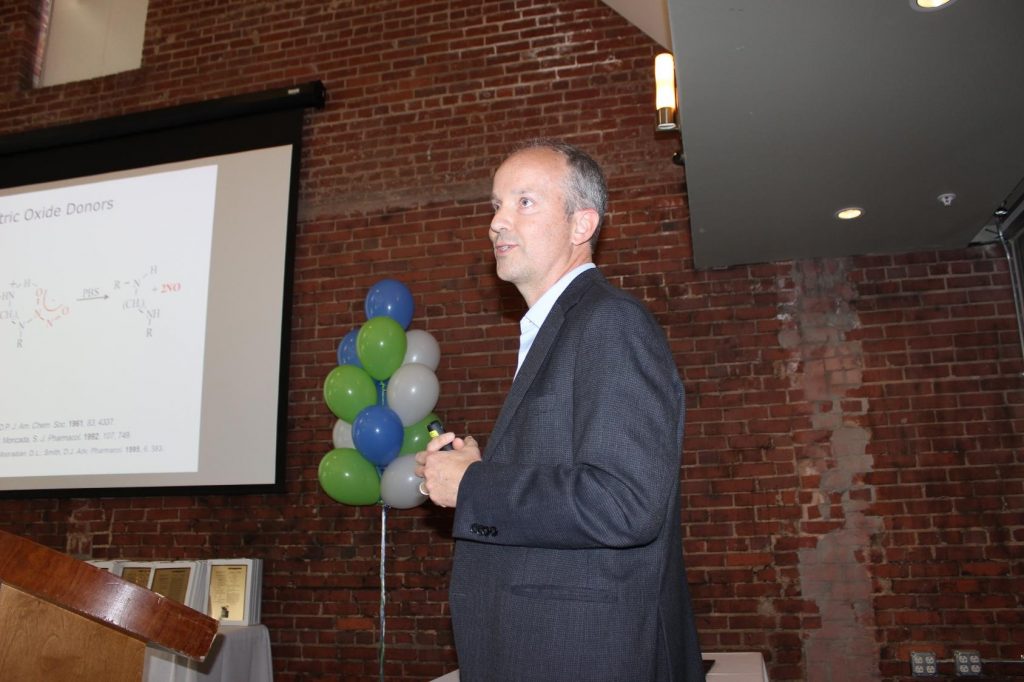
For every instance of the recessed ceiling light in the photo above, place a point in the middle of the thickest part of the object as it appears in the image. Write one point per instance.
(849, 213)
(930, 5)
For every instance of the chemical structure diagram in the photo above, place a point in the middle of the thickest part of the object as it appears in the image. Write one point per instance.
(27, 305)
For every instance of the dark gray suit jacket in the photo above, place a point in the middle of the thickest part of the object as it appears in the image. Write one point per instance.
(568, 559)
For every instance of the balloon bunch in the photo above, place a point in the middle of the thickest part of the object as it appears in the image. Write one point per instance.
(383, 392)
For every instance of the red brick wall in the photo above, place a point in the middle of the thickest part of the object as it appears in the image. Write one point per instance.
(853, 476)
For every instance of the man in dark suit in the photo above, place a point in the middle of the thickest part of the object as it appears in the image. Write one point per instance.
(568, 559)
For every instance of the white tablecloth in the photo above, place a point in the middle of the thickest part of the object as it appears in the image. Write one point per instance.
(240, 653)
(743, 666)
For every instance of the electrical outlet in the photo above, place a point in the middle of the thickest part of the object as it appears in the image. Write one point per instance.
(923, 664)
(967, 663)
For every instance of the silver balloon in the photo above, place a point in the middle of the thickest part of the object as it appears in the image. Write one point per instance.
(342, 435)
(413, 392)
(422, 348)
(400, 486)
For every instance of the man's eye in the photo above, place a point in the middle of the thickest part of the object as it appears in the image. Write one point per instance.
(525, 203)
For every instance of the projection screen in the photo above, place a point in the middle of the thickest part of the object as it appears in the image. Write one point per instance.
(145, 283)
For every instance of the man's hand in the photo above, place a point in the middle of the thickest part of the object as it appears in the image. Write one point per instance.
(443, 471)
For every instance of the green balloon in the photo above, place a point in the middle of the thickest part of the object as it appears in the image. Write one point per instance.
(380, 346)
(415, 436)
(349, 478)
(348, 390)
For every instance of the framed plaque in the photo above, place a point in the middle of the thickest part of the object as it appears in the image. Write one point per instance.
(175, 580)
(234, 590)
(137, 572)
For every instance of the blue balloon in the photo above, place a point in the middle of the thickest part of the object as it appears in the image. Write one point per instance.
(377, 433)
(347, 349)
(390, 298)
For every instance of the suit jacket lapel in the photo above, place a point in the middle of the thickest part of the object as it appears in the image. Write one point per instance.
(546, 336)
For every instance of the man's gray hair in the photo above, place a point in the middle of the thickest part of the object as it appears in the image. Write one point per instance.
(585, 183)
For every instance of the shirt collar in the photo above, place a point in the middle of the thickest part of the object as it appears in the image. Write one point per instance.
(539, 311)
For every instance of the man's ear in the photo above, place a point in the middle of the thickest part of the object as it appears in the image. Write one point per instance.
(584, 222)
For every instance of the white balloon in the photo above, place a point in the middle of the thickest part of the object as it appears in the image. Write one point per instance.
(412, 392)
(342, 435)
(422, 348)
(399, 485)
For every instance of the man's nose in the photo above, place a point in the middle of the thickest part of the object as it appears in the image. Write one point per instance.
(498, 222)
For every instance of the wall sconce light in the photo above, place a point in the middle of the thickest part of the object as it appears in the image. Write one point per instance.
(665, 94)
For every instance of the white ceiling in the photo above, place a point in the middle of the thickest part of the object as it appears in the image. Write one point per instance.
(792, 109)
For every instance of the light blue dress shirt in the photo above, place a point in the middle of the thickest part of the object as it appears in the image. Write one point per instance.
(538, 312)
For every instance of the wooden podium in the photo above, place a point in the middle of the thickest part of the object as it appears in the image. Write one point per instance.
(63, 620)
